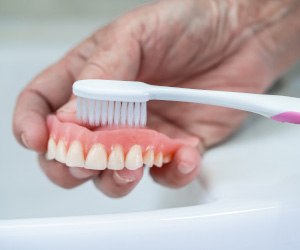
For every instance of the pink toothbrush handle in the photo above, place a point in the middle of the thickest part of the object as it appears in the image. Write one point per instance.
(290, 117)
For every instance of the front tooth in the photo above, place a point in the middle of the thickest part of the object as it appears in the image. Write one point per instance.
(134, 158)
(148, 158)
(75, 156)
(116, 158)
(51, 149)
(61, 152)
(158, 160)
(96, 158)
(167, 158)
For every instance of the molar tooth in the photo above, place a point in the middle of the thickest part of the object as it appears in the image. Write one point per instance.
(61, 152)
(148, 158)
(75, 156)
(158, 160)
(116, 158)
(134, 159)
(96, 158)
(51, 149)
(167, 158)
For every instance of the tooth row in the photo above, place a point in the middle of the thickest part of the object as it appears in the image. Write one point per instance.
(98, 159)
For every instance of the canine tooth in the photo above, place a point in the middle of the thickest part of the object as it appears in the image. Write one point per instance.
(134, 158)
(158, 160)
(75, 156)
(116, 158)
(51, 149)
(96, 158)
(61, 152)
(167, 159)
(148, 158)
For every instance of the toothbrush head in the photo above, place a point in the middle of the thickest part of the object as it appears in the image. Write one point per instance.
(111, 103)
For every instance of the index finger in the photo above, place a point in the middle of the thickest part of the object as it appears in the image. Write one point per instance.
(45, 94)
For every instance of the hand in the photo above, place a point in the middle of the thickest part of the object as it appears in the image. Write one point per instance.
(203, 44)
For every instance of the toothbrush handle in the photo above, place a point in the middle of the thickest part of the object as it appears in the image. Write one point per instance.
(279, 108)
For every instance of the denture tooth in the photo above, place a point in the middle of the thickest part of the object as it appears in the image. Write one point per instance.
(167, 158)
(116, 158)
(51, 149)
(158, 160)
(134, 158)
(148, 158)
(61, 152)
(75, 156)
(96, 158)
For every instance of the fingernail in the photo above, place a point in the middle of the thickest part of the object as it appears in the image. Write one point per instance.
(24, 140)
(185, 168)
(80, 173)
(121, 179)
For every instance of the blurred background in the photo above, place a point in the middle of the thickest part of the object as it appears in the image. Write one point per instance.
(55, 9)
(57, 21)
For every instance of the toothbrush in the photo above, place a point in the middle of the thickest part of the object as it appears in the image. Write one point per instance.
(124, 103)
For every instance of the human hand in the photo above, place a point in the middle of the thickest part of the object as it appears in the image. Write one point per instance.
(195, 44)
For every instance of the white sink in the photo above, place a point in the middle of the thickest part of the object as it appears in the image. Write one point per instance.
(246, 198)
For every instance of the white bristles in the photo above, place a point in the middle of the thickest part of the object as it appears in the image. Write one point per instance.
(130, 114)
(111, 113)
(136, 114)
(117, 113)
(123, 113)
(91, 112)
(143, 114)
(103, 113)
(97, 113)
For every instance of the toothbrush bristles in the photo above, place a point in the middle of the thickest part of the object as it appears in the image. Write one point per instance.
(111, 113)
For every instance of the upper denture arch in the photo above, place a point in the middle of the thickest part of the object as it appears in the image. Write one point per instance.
(78, 146)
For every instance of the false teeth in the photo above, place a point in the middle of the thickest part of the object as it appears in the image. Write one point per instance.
(51, 149)
(158, 160)
(134, 158)
(167, 159)
(61, 152)
(116, 158)
(75, 156)
(148, 158)
(96, 158)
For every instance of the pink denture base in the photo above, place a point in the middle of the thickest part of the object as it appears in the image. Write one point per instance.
(290, 117)
(126, 137)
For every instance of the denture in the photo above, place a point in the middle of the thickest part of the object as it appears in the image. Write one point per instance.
(108, 148)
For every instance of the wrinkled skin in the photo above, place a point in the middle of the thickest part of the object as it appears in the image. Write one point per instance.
(235, 45)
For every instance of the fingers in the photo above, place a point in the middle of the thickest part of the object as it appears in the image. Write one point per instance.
(64, 176)
(29, 121)
(45, 94)
(117, 183)
(39, 98)
(42, 96)
(183, 169)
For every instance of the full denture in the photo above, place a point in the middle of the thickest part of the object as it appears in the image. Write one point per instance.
(102, 148)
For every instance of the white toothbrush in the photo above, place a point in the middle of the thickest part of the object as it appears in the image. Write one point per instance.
(123, 103)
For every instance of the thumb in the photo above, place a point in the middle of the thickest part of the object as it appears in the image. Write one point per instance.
(67, 113)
